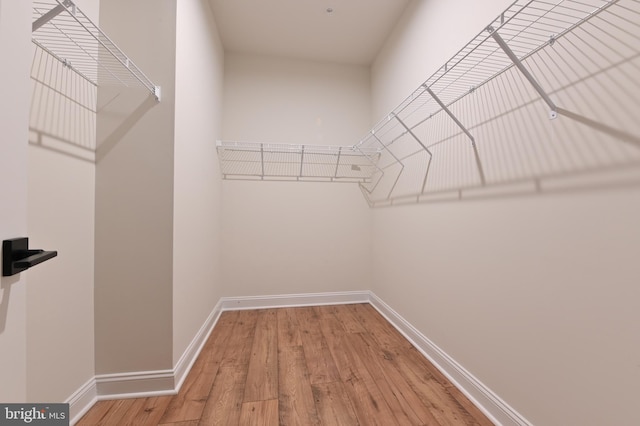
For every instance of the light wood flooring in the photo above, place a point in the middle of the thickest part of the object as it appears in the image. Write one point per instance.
(328, 365)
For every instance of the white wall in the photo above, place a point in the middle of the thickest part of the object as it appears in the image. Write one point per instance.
(60, 294)
(294, 237)
(535, 296)
(134, 197)
(15, 43)
(197, 192)
(61, 215)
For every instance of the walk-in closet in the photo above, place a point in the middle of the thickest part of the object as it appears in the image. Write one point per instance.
(321, 212)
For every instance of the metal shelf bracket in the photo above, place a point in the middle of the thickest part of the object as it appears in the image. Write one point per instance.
(553, 113)
(450, 114)
(413, 135)
(462, 127)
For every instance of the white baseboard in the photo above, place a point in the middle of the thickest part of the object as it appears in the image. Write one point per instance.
(168, 382)
(157, 383)
(82, 400)
(184, 364)
(135, 384)
(484, 398)
(292, 300)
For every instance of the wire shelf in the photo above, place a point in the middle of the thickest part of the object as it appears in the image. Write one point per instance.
(548, 90)
(483, 118)
(325, 163)
(526, 26)
(64, 31)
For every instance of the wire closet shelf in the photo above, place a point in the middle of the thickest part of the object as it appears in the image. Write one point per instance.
(547, 89)
(64, 31)
(323, 163)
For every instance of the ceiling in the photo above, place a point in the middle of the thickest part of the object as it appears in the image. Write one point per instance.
(343, 31)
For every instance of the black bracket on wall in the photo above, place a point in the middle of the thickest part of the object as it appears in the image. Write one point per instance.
(16, 256)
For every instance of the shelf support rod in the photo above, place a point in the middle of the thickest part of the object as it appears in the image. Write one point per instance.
(426, 174)
(373, 133)
(301, 161)
(463, 128)
(450, 114)
(395, 158)
(262, 159)
(335, 175)
(413, 135)
(505, 47)
(374, 164)
(47, 17)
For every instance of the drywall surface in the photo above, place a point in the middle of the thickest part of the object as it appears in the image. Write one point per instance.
(197, 191)
(15, 43)
(290, 238)
(535, 293)
(294, 237)
(536, 297)
(60, 294)
(60, 328)
(134, 196)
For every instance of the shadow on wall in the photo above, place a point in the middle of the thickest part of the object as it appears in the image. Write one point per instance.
(5, 295)
(64, 107)
(590, 73)
(118, 115)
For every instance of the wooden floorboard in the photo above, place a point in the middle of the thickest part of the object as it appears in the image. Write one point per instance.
(148, 411)
(324, 365)
(121, 412)
(368, 403)
(97, 413)
(320, 363)
(288, 328)
(296, 406)
(396, 389)
(224, 403)
(260, 413)
(262, 375)
(333, 404)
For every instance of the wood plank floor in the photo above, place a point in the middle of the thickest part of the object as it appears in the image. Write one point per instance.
(328, 365)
